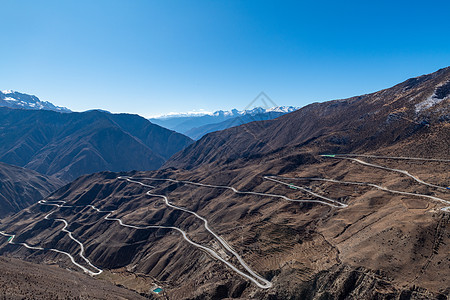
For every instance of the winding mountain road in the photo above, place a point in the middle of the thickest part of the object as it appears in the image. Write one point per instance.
(334, 203)
(72, 259)
(347, 156)
(371, 185)
(395, 157)
(252, 275)
(265, 284)
(249, 273)
(393, 170)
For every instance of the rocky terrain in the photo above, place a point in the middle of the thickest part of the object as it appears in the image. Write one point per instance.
(67, 145)
(310, 226)
(19, 188)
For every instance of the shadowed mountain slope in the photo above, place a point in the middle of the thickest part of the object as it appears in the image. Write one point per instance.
(388, 238)
(20, 188)
(199, 132)
(68, 145)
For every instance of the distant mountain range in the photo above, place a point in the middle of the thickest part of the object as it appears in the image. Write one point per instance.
(196, 125)
(67, 145)
(261, 197)
(13, 99)
(357, 124)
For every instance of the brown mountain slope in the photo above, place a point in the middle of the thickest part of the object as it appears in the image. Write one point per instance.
(370, 122)
(382, 246)
(20, 188)
(68, 145)
(388, 239)
(24, 280)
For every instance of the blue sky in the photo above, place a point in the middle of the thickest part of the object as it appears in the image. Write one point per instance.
(155, 57)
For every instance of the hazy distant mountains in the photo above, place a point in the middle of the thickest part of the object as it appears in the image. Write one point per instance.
(400, 115)
(197, 125)
(68, 145)
(13, 99)
(371, 249)
(193, 125)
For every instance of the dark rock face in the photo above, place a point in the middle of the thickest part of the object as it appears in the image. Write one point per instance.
(443, 91)
(72, 144)
(20, 188)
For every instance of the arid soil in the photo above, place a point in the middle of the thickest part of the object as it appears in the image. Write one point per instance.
(24, 280)
(396, 244)
(383, 245)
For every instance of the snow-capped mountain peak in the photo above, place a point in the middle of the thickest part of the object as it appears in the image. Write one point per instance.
(228, 113)
(13, 99)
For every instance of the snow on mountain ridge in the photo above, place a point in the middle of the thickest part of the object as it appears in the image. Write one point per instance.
(13, 99)
(441, 93)
(233, 112)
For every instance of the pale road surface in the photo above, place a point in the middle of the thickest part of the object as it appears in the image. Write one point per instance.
(371, 185)
(64, 229)
(267, 284)
(394, 170)
(334, 203)
(394, 157)
(254, 277)
(343, 156)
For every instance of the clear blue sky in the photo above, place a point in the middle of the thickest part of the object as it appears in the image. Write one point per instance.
(152, 57)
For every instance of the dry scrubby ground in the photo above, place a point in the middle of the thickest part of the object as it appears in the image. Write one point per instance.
(392, 242)
(23, 280)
